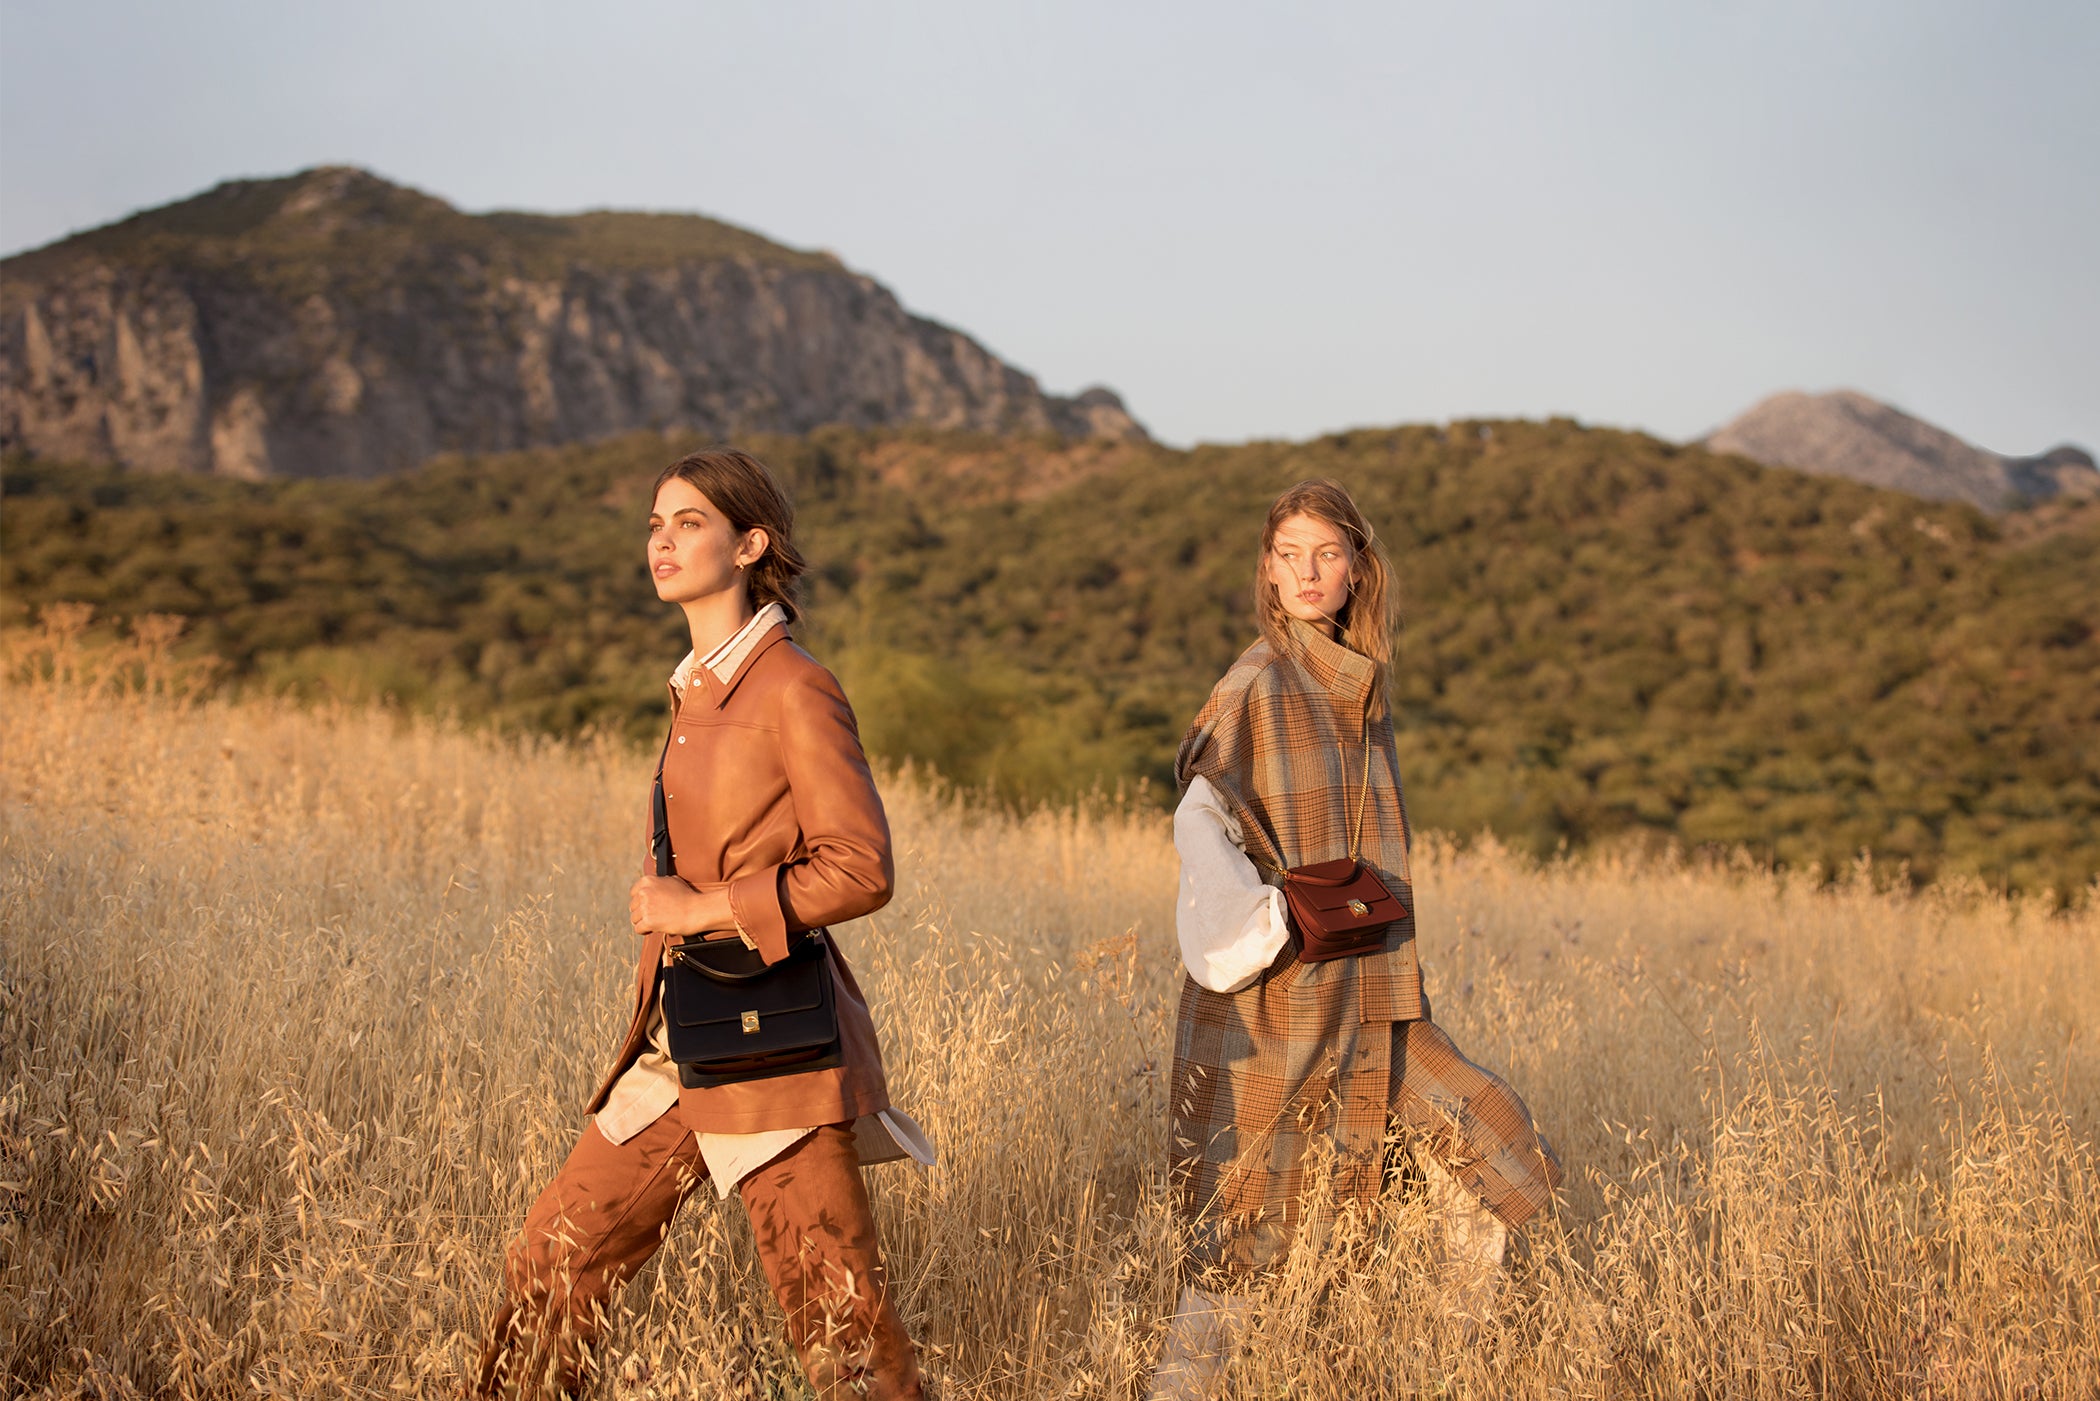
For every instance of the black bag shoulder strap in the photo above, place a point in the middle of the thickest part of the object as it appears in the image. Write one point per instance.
(659, 815)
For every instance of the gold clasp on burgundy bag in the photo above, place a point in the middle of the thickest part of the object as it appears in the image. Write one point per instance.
(1340, 908)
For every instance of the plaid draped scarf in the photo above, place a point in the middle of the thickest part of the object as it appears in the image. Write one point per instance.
(1315, 1053)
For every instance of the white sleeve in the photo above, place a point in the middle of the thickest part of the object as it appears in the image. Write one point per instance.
(1230, 924)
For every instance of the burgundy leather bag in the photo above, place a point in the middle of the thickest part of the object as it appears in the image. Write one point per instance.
(1340, 908)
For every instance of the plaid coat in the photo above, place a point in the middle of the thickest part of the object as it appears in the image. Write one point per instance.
(1335, 1052)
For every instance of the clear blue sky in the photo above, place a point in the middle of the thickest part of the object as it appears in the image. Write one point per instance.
(1252, 221)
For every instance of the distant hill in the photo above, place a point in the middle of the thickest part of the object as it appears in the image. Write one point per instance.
(1847, 434)
(1608, 637)
(332, 324)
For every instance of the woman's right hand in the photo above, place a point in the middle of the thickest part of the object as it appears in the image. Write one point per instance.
(668, 905)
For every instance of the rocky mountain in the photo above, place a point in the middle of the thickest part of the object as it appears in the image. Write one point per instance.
(333, 324)
(1847, 434)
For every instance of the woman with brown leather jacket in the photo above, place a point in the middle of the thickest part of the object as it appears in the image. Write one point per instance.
(776, 831)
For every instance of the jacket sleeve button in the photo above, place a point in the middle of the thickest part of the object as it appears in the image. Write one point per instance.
(681, 739)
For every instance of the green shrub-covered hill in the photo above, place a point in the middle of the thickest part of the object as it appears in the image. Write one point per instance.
(1607, 636)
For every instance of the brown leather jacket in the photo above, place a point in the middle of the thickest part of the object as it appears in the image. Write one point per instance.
(769, 794)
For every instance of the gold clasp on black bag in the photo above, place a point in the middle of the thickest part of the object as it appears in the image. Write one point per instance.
(750, 1023)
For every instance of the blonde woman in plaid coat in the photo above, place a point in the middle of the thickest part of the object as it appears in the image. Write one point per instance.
(1290, 762)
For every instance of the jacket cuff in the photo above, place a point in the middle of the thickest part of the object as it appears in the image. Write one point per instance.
(755, 901)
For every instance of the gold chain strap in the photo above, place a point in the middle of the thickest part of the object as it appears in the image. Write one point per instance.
(1356, 837)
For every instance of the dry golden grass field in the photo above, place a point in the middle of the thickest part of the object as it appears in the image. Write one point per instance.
(298, 1008)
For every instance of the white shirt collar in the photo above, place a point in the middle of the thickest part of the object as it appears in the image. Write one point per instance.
(725, 659)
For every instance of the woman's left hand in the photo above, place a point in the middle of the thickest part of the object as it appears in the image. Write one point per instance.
(668, 905)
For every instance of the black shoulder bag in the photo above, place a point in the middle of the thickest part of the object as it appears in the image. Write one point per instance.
(728, 1017)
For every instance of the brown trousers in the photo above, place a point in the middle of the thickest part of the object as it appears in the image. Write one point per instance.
(606, 1212)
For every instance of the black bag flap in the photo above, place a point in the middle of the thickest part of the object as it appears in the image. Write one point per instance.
(697, 1004)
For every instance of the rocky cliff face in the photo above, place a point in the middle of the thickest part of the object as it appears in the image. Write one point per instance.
(1847, 434)
(332, 324)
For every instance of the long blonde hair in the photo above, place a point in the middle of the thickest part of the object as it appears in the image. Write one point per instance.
(1368, 621)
